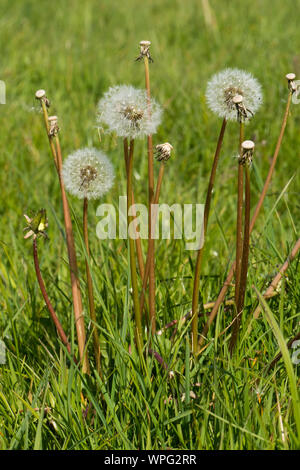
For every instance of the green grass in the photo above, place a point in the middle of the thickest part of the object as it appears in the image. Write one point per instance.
(76, 50)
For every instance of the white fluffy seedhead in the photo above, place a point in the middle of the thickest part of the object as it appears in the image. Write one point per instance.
(226, 85)
(88, 173)
(126, 111)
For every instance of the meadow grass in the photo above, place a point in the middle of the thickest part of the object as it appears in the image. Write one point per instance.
(75, 50)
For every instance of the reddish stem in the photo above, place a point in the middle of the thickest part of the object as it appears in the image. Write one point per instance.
(53, 315)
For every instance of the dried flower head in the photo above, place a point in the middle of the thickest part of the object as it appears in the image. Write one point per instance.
(145, 50)
(163, 151)
(41, 95)
(225, 90)
(36, 224)
(247, 152)
(88, 173)
(125, 110)
(291, 82)
(53, 126)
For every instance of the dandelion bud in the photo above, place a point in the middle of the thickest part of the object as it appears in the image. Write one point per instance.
(163, 152)
(36, 224)
(247, 152)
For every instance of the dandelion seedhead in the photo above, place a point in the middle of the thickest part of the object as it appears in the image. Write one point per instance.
(125, 110)
(36, 224)
(163, 151)
(88, 173)
(247, 153)
(234, 95)
(145, 51)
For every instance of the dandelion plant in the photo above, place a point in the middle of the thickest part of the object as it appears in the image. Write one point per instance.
(146, 57)
(292, 88)
(125, 111)
(245, 161)
(163, 153)
(36, 228)
(52, 130)
(88, 174)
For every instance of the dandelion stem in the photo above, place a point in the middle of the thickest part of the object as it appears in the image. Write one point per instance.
(239, 220)
(195, 300)
(136, 304)
(147, 266)
(51, 143)
(96, 342)
(228, 280)
(53, 315)
(151, 245)
(244, 264)
(77, 302)
(138, 243)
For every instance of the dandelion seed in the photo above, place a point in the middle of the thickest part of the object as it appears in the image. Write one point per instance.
(125, 110)
(234, 94)
(88, 173)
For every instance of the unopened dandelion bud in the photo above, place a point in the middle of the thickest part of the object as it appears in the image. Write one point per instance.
(36, 224)
(163, 151)
(291, 83)
(247, 152)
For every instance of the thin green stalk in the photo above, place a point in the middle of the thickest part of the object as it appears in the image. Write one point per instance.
(90, 290)
(130, 218)
(77, 302)
(195, 300)
(53, 315)
(151, 244)
(149, 254)
(286, 358)
(244, 263)
(239, 220)
(138, 243)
